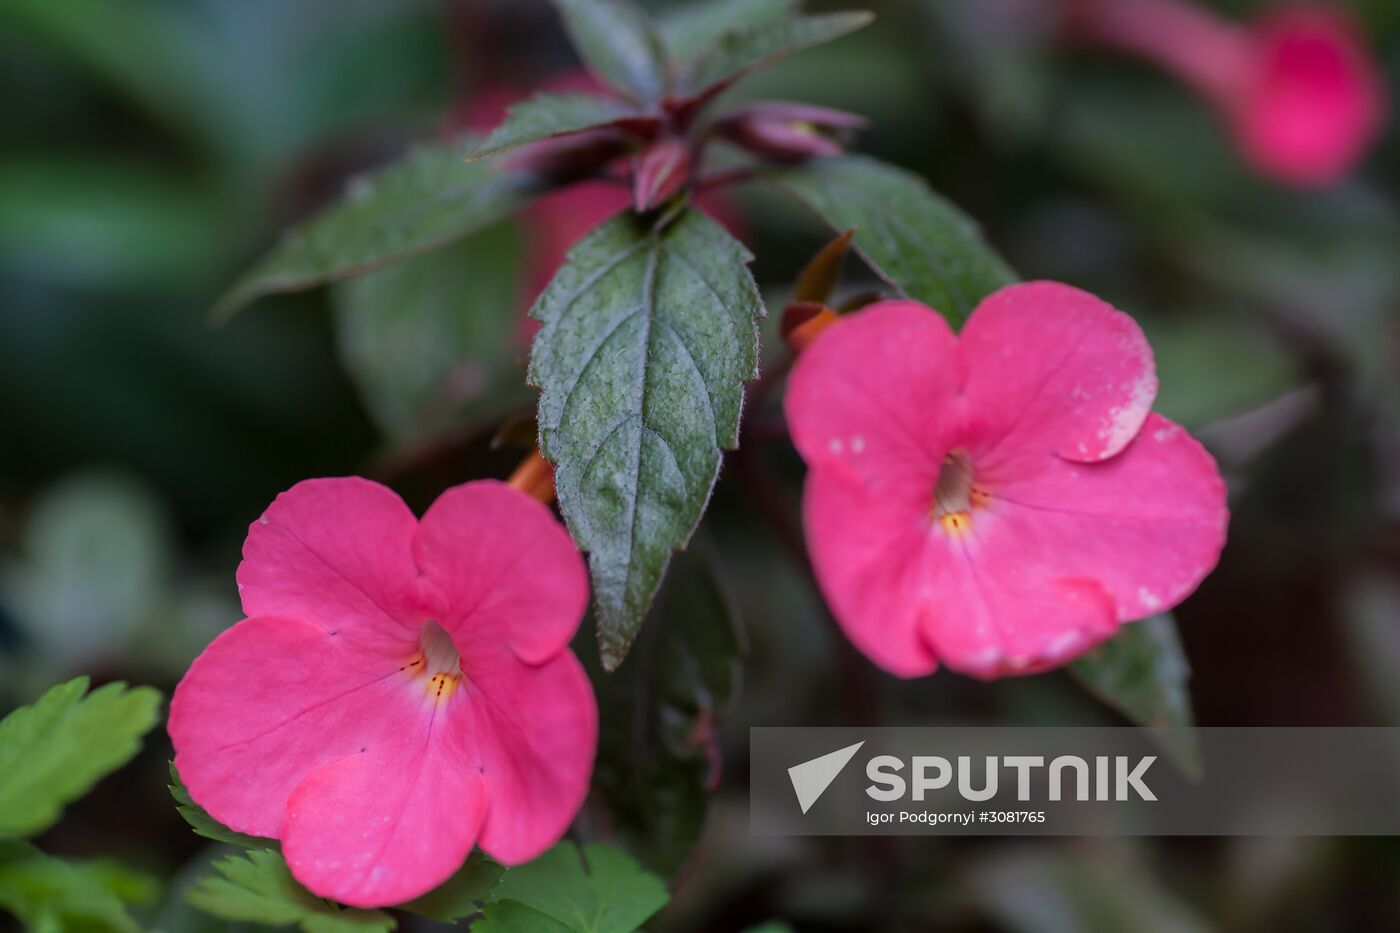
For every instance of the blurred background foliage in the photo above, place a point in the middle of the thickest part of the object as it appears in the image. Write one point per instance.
(150, 148)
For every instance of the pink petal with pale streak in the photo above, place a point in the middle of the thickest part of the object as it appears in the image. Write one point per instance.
(1147, 525)
(388, 824)
(507, 567)
(876, 396)
(273, 699)
(337, 553)
(531, 733)
(869, 553)
(1053, 369)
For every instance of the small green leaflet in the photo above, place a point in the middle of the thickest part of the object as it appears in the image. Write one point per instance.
(741, 51)
(51, 753)
(603, 891)
(462, 894)
(912, 238)
(546, 115)
(649, 333)
(1143, 673)
(258, 887)
(205, 825)
(424, 200)
(51, 895)
(619, 45)
(694, 28)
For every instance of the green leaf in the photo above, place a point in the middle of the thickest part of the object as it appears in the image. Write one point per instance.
(649, 334)
(52, 752)
(205, 825)
(515, 917)
(692, 29)
(462, 894)
(435, 340)
(741, 51)
(547, 115)
(1143, 673)
(619, 44)
(602, 892)
(912, 238)
(97, 555)
(259, 888)
(50, 895)
(657, 747)
(424, 200)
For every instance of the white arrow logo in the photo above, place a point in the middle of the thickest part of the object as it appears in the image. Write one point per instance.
(811, 778)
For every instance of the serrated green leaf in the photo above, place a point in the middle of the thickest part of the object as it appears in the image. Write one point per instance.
(618, 43)
(433, 341)
(548, 115)
(910, 237)
(460, 895)
(738, 52)
(52, 752)
(259, 888)
(602, 892)
(658, 716)
(424, 200)
(205, 825)
(515, 917)
(51, 895)
(692, 29)
(648, 337)
(1143, 673)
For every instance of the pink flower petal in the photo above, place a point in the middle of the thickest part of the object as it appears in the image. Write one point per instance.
(869, 555)
(997, 615)
(388, 824)
(531, 732)
(508, 567)
(337, 553)
(1316, 100)
(912, 597)
(874, 396)
(1148, 525)
(273, 699)
(1053, 369)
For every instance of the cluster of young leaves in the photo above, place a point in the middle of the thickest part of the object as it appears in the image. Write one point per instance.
(556, 893)
(51, 753)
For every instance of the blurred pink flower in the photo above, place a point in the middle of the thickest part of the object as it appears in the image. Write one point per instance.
(998, 501)
(400, 691)
(1303, 95)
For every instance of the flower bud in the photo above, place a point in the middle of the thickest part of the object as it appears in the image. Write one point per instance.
(659, 171)
(784, 132)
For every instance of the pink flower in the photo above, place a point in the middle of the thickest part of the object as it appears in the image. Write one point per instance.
(998, 501)
(1302, 94)
(1313, 102)
(400, 691)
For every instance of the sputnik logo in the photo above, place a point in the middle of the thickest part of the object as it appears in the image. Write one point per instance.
(811, 778)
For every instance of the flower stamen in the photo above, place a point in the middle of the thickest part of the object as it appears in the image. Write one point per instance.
(955, 495)
(438, 659)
